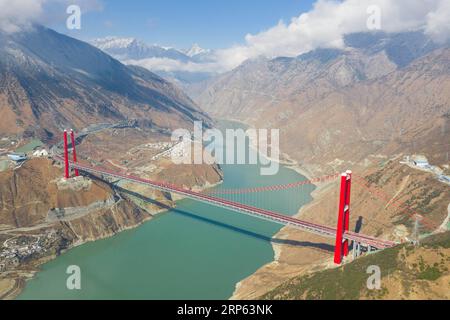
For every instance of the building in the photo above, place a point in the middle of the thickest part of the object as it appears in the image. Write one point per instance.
(40, 153)
(420, 161)
(17, 157)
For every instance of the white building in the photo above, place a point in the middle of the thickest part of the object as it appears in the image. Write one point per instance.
(420, 161)
(40, 153)
(17, 157)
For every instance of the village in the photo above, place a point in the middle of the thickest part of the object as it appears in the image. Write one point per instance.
(18, 249)
(12, 157)
(420, 162)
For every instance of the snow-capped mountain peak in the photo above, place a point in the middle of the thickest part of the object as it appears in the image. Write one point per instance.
(126, 49)
(195, 50)
(180, 65)
(113, 42)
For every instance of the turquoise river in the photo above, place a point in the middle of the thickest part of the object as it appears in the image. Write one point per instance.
(194, 252)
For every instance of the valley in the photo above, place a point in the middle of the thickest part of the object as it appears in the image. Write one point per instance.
(48, 88)
(206, 240)
(336, 111)
(63, 214)
(379, 105)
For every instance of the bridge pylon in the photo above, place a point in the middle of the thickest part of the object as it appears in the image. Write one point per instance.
(74, 151)
(66, 154)
(341, 248)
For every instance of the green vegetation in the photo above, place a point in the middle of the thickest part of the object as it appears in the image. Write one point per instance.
(374, 178)
(4, 165)
(335, 284)
(430, 273)
(426, 201)
(441, 240)
(349, 281)
(33, 144)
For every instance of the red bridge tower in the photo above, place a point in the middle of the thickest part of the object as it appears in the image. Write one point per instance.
(66, 154)
(341, 247)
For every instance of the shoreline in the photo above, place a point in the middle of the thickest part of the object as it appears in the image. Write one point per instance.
(283, 233)
(37, 264)
(287, 162)
(22, 278)
(243, 288)
(291, 164)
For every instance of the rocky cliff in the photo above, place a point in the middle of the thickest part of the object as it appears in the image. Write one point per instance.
(43, 215)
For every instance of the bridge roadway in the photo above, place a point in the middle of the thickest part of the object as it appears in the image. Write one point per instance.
(241, 208)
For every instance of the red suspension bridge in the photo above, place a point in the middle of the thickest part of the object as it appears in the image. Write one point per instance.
(342, 235)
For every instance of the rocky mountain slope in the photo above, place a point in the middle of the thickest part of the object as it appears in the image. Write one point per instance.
(407, 272)
(49, 81)
(364, 108)
(387, 198)
(365, 56)
(42, 215)
(381, 94)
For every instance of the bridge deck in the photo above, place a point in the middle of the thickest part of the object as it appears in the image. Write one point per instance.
(241, 208)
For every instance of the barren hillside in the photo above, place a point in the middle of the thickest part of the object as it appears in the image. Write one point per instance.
(407, 272)
(49, 82)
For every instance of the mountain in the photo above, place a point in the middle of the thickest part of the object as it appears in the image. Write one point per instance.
(386, 195)
(408, 273)
(182, 67)
(401, 48)
(196, 50)
(362, 107)
(200, 55)
(49, 82)
(381, 94)
(132, 49)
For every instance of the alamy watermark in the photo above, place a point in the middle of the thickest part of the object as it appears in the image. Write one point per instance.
(374, 281)
(374, 19)
(73, 22)
(251, 146)
(73, 282)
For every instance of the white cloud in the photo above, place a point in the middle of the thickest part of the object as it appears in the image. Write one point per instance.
(329, 20)
(323, 26)
(170, 65)
(438, 22)
(17, 14)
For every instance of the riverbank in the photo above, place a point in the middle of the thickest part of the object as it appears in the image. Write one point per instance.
(187, 236)
(71, 233)
(119, 217)
(375, 213)
(287, 260)
(308, 252)
(291, 260)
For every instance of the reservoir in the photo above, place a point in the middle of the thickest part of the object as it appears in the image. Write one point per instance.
(196, 251)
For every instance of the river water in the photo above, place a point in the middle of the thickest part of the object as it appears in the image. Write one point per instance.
(194, 252)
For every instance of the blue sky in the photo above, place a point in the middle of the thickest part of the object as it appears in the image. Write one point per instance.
(179, 23)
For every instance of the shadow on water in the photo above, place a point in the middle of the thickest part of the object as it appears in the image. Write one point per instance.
(319, 246)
